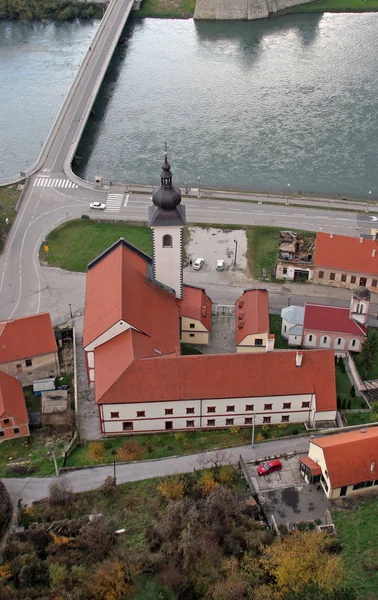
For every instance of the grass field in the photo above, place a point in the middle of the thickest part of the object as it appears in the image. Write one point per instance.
(358, 532)
(32, 453)
(359, 418)
(166, 9)
(275, 327)
(334, 6)
(73, 245)
(343, 389)
(8, 200)
(163, 445)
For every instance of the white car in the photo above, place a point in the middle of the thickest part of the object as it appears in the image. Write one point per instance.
(97, 205)
(198, 264)
(220, 265)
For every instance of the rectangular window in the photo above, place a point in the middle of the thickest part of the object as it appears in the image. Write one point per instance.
(332, 276)
(190, 411)
(321, 274)
(229, 421)
(127, 426)
(248, 421)
(169, 411)
(6, 421)
(284, 270)
(267, 406)
(141, 413)
(353, 343)
(168, 425)
(286, 405)
(249, 407)
(325, 484)
(192, 334)
(353, 279)
(258, 342)
(285, 419)
(190, 423)
(211, 409)
(192, 325)
(2, 433)
(28, 362)
(374, 283)
(230, 408)
(343, 277)
(305, 405)
(210, 422)
(114, 415)
(16, 430)
(267, 419)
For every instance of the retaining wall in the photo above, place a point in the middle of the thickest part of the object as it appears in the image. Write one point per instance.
(241, 9)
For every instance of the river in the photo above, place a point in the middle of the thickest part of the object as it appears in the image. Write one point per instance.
(284, 104)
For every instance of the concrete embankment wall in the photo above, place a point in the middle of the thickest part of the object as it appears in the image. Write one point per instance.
(241, 9)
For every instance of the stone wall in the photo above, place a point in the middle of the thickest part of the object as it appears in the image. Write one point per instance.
(241, 9)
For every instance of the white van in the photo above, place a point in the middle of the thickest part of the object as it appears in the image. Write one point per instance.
(220, 265)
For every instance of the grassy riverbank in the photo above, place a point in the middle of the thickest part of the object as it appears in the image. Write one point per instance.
(8, 200)
(56, 10)
(166, 9)
(333, 6)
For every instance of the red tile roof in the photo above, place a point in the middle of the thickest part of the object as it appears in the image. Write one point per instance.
(311, 464)
(252, 314)
(196, 304)
(26, 337)
(350, 457)
(219, 376)
(344, 253)
(319, 317)
(12, 401)
(118, 288)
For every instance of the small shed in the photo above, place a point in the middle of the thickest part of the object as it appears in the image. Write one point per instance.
(55, 409)
(43, 385)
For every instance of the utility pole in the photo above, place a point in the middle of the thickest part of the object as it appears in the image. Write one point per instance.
(253, 430)
(70, 310)
(236, 252)
(114, 471)
(55, 463)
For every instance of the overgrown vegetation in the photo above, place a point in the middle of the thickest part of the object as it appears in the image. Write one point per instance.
(187, 537)
(275, 323)
(334, 6)
(40, 10)
(8, 200)
(5, 507)
(166, 9)
(367, 360)
(357, 529)
(23, 457)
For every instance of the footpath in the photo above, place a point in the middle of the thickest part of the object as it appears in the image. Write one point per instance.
(33, 488)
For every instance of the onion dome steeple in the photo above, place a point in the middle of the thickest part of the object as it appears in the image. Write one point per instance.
(166, 196)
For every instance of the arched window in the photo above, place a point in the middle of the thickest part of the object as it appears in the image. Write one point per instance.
(338, 341)
(353, 342)
(310, 338)
(167, 241)
(325, 339)
(360, 308)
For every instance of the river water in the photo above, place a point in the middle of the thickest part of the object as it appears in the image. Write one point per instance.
(285, 104)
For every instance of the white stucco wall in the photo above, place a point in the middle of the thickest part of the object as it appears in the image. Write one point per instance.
(168, 261)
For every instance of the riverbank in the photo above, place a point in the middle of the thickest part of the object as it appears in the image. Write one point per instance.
(333, 6)
(46, 10)
(166, 9)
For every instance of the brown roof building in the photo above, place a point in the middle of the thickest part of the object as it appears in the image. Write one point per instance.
(14, 420)
(252, 322)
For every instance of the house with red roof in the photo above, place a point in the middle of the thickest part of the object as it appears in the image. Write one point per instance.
(323, 326)
(28, 349)
(344, 463)
(136, 314)
(14, 420)
(252, 322)
(344, 261)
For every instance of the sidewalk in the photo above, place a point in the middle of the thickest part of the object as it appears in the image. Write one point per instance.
(34, 488)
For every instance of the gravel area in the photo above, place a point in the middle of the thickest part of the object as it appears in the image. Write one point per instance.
(215, 244)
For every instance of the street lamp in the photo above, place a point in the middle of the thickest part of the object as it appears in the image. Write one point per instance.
(236, 251)
(287, 200)
(70, 310)
(368, 201)
(126, 184)
(253, 430)
(199, 186)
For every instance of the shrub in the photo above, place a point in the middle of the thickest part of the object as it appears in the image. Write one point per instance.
(109, 487)
(259, 437)
(96, 452)
(349, 404)
(234, 429)
(295, 431)
(130, 450)
(60, 496)
(352, 392)
(226, 475)
(171, 488)
(207, 482)
(5, 507)
(107, 444)
(338, 402)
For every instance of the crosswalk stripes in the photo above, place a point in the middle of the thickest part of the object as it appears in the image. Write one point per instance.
(46, 181)
(113, 202)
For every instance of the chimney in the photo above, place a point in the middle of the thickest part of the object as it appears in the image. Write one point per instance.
(372, 467)
(361, 240)
(331, 235)
(373, 253)
(298, 359)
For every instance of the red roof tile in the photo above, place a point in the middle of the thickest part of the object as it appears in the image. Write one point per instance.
(12, 401)
(344, 253)
(252, 314)
(118, 288)
(26, 337)
(350, 457)
(319, 317)
(220, 376)
(311, 464)
(196, 304)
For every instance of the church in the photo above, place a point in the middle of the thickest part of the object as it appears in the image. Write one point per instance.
(137, 312)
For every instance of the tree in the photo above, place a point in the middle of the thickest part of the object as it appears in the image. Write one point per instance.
(111, 582)
(5, 507)
(352, 392)
(369, 351)
(338, 402)
(59, 495)
(306, 555)
(171, 488)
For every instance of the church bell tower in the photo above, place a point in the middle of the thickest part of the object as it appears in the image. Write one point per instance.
(167, 217)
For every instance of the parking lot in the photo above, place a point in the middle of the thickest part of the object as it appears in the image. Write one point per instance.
(289, 475)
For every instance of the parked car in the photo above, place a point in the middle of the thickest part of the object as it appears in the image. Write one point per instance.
(198, 264)
(269, 467)
(220, 265)
(97, 205)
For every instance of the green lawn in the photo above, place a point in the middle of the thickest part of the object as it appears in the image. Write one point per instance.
(358, 532)
(8, 200)
(359, 418)
(275, 327)
(163, 445)
(343, 389)
(334, 6)
(73, 245)
(185, 350)
(34, 453)
(166, 9)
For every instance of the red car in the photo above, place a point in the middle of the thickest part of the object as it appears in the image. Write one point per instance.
(269, 467)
